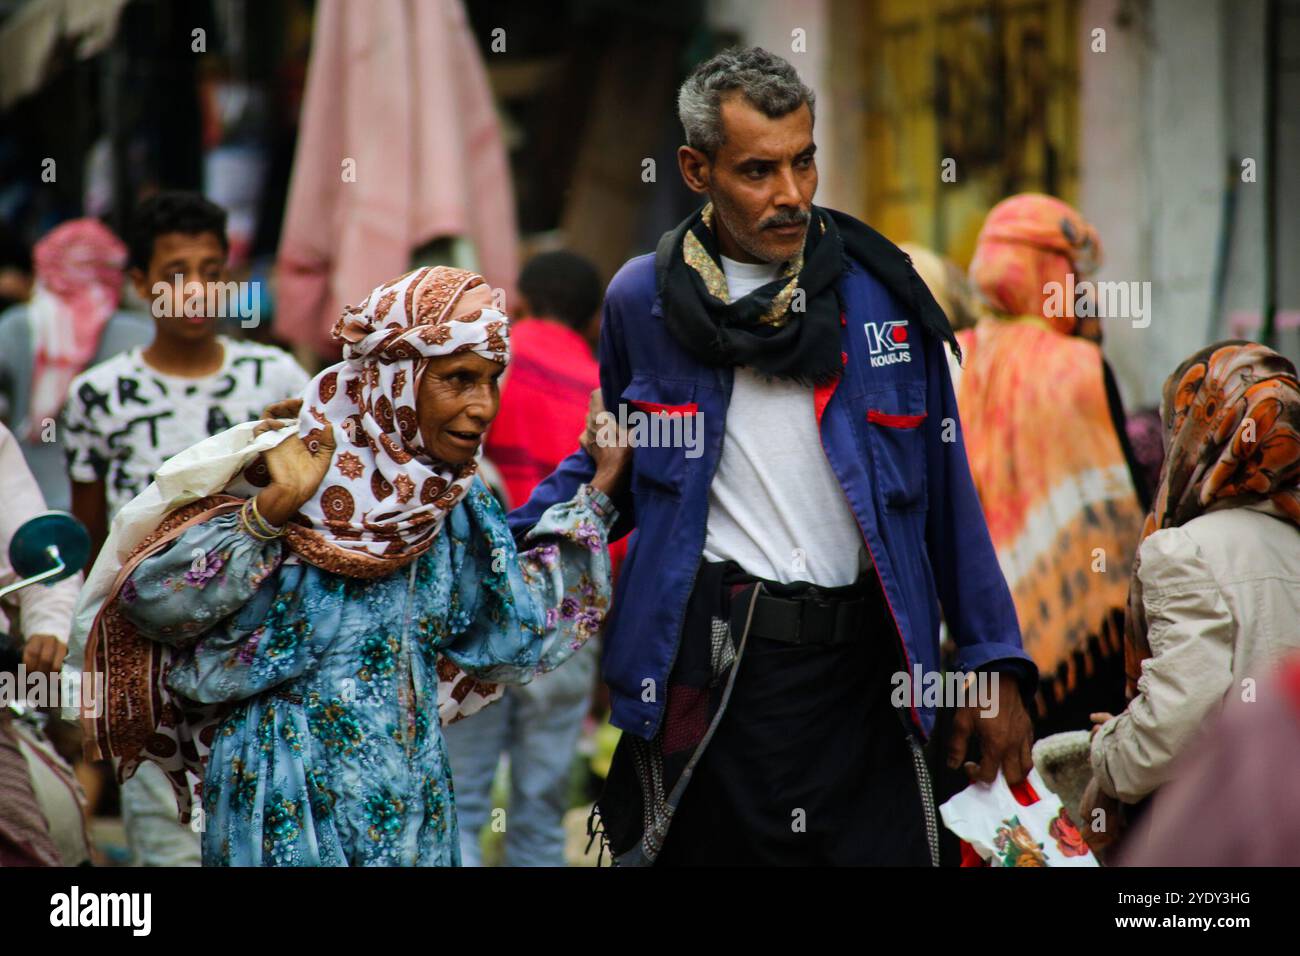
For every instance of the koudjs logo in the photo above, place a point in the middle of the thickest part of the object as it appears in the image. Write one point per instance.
(887, 342)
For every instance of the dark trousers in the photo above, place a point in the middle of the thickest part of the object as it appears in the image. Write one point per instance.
(810, 765)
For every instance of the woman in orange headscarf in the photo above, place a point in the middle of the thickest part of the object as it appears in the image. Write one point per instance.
(1041, 417)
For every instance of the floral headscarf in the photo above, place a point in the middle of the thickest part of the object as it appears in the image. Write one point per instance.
(1026, 242)
(1232, 437)
(383, 500)
(78, 267)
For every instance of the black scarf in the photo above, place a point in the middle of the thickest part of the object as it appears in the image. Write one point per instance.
(799, 345)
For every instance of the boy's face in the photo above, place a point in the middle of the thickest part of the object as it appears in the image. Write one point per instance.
(198, 259)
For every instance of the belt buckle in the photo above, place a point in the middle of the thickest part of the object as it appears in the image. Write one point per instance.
(817, 621)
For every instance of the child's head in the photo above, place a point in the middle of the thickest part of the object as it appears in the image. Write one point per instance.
(560, 285)
(171, 234)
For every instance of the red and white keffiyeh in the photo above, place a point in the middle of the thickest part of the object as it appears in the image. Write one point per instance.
(78, 267)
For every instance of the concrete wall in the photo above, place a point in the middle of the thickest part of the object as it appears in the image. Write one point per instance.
(1167, 111)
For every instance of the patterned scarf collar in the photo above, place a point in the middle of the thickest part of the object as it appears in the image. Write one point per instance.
(708, 265)
(1232, 438)
(383, 500)
(789, 327)
(773, 329)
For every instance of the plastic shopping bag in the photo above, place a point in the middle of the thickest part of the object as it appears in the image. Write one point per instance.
(1006, 832)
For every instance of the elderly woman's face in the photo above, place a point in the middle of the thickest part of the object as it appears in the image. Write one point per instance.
(458, 399)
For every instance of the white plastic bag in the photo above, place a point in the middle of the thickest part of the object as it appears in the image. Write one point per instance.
(1004, 833)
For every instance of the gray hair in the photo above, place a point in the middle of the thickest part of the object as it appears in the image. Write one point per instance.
(768, 82)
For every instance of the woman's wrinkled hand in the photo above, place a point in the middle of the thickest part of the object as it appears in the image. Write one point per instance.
(273, 413)
(607, 445)
(296, 473)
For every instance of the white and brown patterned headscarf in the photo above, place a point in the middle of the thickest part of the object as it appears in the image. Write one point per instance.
(383, 500)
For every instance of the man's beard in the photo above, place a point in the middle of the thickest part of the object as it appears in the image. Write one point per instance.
(752, 241)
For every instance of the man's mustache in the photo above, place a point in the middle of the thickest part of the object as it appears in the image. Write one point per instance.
(799, 217)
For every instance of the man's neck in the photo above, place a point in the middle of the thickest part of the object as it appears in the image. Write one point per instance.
(185, 359)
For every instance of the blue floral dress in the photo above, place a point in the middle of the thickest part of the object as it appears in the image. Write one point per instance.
(332, 754)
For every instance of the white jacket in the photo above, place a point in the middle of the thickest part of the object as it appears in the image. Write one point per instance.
(45, 609)
(1222, 601)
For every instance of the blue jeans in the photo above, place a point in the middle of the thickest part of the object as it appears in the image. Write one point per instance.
(537, 726)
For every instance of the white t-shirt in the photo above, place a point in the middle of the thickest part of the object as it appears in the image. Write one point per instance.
(775, 506)
(123, 418)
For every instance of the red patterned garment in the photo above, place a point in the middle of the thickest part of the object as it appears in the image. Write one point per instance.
(78, 286)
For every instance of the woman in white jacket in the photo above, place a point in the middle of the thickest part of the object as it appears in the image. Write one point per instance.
(1215, 596)
(40, 799)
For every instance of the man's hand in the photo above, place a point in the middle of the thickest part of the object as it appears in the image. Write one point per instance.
(613, 459)
(44, 654)
(1006, 738)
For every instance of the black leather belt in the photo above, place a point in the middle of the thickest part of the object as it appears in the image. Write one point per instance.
(808, 619)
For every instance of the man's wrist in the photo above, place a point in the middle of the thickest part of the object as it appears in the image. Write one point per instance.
(605, 482)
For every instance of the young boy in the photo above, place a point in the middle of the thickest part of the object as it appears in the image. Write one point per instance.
(125, 417)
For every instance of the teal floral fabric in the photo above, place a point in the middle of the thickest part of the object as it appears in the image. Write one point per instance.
(332, 754)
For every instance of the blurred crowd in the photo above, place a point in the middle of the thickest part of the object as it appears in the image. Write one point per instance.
(1153, 554)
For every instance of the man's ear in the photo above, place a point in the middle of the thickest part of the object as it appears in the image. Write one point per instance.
(695, 169)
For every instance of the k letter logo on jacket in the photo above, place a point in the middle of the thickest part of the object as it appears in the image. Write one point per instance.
(887, 342)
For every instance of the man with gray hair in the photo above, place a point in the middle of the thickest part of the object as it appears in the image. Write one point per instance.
(780, 580)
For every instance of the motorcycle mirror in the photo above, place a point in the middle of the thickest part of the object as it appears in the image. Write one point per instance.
(45, 542)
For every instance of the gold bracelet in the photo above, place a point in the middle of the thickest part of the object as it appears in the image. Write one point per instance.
(247, 525)
(265, 525)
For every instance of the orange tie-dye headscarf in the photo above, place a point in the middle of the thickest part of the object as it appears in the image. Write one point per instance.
(1026, 242)
(1232, 434)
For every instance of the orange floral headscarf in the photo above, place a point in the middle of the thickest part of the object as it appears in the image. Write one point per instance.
(1232, 436)
(1026, 242)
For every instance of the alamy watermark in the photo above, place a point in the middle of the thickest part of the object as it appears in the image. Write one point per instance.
(75, 908)
(241, 300)
(945, 689)
(660, 427)
(1102, 300)
(65, 689)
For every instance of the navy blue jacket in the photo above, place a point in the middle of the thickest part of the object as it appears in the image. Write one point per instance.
(883, 427)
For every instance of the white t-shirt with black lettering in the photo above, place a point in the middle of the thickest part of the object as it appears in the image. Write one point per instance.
(123, 418)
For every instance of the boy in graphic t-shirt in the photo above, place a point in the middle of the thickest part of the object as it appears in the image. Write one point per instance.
(124, 417)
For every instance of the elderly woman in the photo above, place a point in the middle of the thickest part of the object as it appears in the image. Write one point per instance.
(305, 630)
(1215, 595)
(1045, 438)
